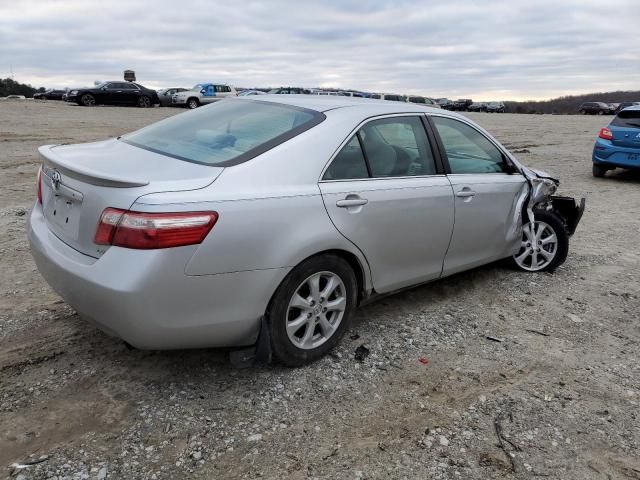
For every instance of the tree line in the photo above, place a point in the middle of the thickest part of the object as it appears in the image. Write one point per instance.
(570, 103)
(8, 86)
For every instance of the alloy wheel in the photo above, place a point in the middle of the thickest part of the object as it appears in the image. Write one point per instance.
(315, 310)
(538, 247)
(88, 100)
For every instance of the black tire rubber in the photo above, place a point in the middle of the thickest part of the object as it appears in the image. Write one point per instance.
(144, 102)
(599, 170)
(600, 112)
(193, 101)
(284, 351)
(557, 225)
(582, 112)
(87, 95)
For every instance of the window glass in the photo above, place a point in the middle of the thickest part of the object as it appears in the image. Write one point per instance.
(224, 131)
(627, 118)
(348, 164)
(397, 147)
(468, 151)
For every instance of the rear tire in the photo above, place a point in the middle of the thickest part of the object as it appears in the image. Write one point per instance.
(144, 102)
(544, 249)
(87, 100)
(582, 112)
(312, 309)
(600, 112)
(599, 170)
(193, 103)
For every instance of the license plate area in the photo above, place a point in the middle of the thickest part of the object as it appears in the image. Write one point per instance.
(62, 212)
(634, 157)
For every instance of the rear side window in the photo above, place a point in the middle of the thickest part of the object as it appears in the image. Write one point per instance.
(468, 151)
(627, 118)
(225, 133)
(393, 147)
(348, 164)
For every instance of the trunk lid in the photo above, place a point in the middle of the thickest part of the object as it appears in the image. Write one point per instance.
(80, 181)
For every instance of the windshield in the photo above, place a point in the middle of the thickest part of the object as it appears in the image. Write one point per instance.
(225, 133)
(197, 86)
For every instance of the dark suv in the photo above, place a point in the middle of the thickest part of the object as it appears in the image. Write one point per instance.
(595, 108)
(462, 104)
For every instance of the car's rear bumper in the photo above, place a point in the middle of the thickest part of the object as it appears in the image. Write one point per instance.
(604, 152)
(145, 298)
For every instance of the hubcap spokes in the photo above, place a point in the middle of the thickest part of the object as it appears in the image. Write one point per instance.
(538, 247)
(316, 310)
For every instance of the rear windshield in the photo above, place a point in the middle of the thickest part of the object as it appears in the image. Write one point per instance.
(627, 118)
(225, 133)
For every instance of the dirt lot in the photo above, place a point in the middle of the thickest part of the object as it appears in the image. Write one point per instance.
(563, 387)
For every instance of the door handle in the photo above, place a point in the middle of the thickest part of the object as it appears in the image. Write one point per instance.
(465, 193)
(351, 202)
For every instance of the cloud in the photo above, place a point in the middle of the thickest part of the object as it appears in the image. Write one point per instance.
(483, 50)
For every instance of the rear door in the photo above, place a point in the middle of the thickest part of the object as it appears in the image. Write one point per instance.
(625, 128)
(486, 193)
(384, 193)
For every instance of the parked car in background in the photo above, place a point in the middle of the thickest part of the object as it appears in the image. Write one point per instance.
(114, 93)
(206, 229)
(202, 94)
(328, 93)
(350, 93)
(445, 103)
(495, 107)
(248, 93)
(461, 104)
(14, 97)
(430, 102)
(618, 144)
(477, 107)
(394, 97)
(290, 91)
(50, 94)
(595, 108)
(623, 105)
(165, 95)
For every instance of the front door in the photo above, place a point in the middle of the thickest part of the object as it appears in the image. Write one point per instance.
(486, 190)
(383, 193)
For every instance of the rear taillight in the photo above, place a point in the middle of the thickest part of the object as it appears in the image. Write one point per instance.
(606, 133)
(40, 186)
(146, 231)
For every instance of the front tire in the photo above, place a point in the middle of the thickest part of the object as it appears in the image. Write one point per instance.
(88, 100)
(193, 103)
(312, 309)
(544, 247)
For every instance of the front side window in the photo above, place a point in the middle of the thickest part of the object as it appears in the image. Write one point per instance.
(226, 133)
(390, 147)
(468, 151)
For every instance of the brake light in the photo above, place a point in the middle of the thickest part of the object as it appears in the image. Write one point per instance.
(40, 186)
(147, 231)
(606, 133)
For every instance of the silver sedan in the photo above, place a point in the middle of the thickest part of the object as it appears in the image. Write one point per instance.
(267, 220)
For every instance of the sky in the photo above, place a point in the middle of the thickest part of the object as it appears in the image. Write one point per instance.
(480, 49)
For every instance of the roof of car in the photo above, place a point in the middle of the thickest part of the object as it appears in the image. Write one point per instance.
(631, 107)
(323, 103)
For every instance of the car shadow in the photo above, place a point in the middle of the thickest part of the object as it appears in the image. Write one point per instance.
(629, 176)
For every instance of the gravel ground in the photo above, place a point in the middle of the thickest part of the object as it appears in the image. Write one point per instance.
(557, 397)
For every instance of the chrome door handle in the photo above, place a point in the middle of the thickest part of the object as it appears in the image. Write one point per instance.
(351, 202)
(465, 193)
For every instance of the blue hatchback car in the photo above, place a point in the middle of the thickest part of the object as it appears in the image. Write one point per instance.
(618, 145)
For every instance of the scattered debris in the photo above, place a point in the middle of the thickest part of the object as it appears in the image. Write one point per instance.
(495, 339)
(362, 352)
(501, 443)
(537, 332)
(355, 336)
(423, 360)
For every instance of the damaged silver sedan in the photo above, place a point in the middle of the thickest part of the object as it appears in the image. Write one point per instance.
(264, 222)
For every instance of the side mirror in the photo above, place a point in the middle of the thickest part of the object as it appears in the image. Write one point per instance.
(203, 91)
